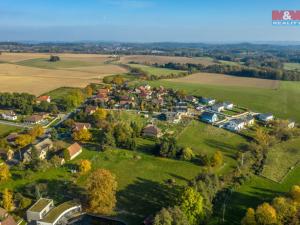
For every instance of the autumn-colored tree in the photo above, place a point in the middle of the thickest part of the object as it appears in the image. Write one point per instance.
(217, 159)
(170, 216)
(36, 131)
(101, 188)
(89, 90)
(249, 219)
(23, 140)
(187, 153)
(191, 204)
(286, 209)
(295, 193)
(7, 200)
(85, 166)
(82, 135)
(100, 114)
(118, 80)
(263, 138)
(266, 214)
(4, 172)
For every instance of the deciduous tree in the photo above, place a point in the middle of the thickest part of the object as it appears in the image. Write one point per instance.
(4, 172)
(7, 200)
(82, 135)
(249, 219)
(266, 214)
(101, 188)
(85, 166)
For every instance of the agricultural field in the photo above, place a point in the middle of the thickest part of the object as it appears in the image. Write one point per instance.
(158, 72)
(227, 80)
(283, 102)
(150, 59)
(206, 139)
(276, 168)
(292, 66)
(58, 74)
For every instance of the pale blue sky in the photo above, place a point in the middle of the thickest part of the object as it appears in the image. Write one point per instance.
(144, 20)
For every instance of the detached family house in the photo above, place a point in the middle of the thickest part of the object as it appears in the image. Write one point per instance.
(235, 125)
(34, 119)
(81, 126)
(208, 101)
(43, 212)
(90, 110)
(9, 116)
(42, 147)
(209, 117)
(44, 98)
(218, 107)
(151, 131)
(74, 150)
(265, 117)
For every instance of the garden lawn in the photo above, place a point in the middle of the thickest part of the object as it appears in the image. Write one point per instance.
(283, 102)
(46, 64)
(6, 129)
(141, 180)
(158, 72)
(281, 158)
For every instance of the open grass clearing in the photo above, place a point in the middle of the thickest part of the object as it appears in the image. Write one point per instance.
(281, 158)
(227, 80)
(6, 129)
(206, 139)
(155, 71)
(151, 59)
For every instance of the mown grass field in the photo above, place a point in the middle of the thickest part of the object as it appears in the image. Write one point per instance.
(281, 158)
(227, 80)
(292, 66)
(6, 129)
(206, 139)
(158, 72)
(284, 101)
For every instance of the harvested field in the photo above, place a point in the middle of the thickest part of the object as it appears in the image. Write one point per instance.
(227, 80)
(150, 59)
(38, 81)
(104, 69)
(17, 57)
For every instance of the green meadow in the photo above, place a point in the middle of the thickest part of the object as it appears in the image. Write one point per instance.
(283, 102)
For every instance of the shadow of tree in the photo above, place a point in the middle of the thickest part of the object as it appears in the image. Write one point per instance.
(143, 198)
(226, 148)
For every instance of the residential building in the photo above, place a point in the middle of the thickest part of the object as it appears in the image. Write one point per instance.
(209, 117)
(9, 116)
(90, 110)
(151, 131)
(74, 150)
(228, 105)
(43, 212)
(218, 107)
(44, 98)
(249, 120)
(265, 117)
(81, 126)
(34, 119)
(41, 147)
(39, 209)
(208, 101)
(5, 218)
(235, 125)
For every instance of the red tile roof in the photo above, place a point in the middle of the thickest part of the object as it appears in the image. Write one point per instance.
(43, 98)
(74, 149)
(5, 218)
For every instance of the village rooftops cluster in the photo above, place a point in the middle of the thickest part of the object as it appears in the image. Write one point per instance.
(5, 218)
